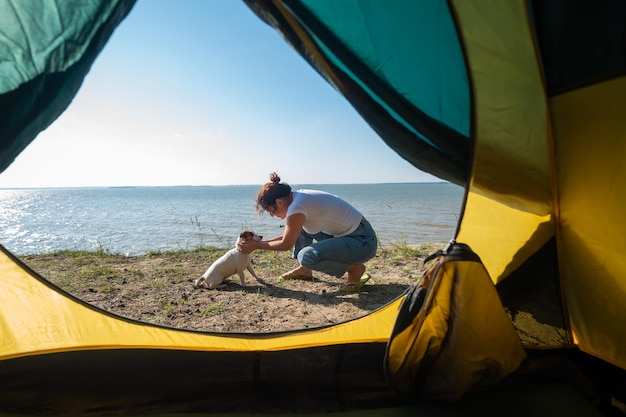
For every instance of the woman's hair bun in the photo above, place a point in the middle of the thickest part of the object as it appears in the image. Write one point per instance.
(274, 178)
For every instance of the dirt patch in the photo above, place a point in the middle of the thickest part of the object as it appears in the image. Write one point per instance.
(157, 288)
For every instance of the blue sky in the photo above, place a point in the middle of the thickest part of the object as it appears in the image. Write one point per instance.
(200, 92)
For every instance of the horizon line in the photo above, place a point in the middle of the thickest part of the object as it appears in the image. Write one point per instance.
(215, 185)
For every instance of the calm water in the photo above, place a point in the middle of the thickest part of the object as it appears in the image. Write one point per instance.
(136, 220)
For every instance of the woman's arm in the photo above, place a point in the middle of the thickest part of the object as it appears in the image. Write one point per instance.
(293, 225)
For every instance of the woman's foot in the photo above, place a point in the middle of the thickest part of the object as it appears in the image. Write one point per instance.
(350, 287)
(355, 272)
(356, 279)
(298, 273)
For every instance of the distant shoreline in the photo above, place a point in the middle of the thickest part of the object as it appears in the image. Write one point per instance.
(89, 187)
(389, 246)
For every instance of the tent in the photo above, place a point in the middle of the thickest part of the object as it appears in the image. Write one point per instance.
(520, 102)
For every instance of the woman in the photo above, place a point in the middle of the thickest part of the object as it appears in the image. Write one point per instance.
(344, 239)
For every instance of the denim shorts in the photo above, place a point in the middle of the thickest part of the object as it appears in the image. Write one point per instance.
(334, 255)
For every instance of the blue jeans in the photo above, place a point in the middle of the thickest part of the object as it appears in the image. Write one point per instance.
(334, 255)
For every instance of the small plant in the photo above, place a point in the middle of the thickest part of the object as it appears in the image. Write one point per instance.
(213, 309)
(219, 238)
(168, 308)
(196, 222)
(98, 271)
(159, 282)
(407, 251)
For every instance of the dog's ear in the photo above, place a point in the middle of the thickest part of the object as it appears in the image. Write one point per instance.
(246, 234)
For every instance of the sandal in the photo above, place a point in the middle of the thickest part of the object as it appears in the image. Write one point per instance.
(352, 287)
(295, 275)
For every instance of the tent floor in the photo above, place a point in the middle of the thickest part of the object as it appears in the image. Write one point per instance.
(536, 400)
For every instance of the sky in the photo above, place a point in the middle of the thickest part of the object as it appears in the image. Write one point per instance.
(202, 92)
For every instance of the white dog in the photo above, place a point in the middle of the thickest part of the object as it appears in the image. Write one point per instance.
(233, 261)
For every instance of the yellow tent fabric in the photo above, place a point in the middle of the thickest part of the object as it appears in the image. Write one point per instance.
(589, 131)
(541, 168)
(509, 203)
(36, 318)
(459, 337)
(519, 101)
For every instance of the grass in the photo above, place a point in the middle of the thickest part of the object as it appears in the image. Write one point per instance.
(156, 287)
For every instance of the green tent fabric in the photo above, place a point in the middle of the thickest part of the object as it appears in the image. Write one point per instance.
(415, 94)
(521, 102)
(45, 52)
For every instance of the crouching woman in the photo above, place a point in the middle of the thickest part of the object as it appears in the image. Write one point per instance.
(325, 232)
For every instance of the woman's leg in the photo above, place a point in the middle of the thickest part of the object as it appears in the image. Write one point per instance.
(336, 256)
(304, 240)
(355, 272)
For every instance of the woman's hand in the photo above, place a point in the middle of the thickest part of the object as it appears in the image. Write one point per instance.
(247, 246)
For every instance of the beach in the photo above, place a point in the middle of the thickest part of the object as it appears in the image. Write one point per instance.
(157, 288)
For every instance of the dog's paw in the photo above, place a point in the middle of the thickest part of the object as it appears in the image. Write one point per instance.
(199, 283)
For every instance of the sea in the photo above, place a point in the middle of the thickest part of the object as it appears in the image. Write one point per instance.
(138, 220)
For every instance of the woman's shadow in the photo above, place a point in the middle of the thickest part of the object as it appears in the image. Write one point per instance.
(326, 297)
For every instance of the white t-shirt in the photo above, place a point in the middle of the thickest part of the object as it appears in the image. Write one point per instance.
(324, 212)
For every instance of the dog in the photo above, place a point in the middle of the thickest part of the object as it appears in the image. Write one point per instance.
(233, 261)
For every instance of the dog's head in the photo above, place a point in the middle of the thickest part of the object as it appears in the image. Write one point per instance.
(250, 235)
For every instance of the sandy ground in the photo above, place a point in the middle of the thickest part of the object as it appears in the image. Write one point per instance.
(157, 289)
